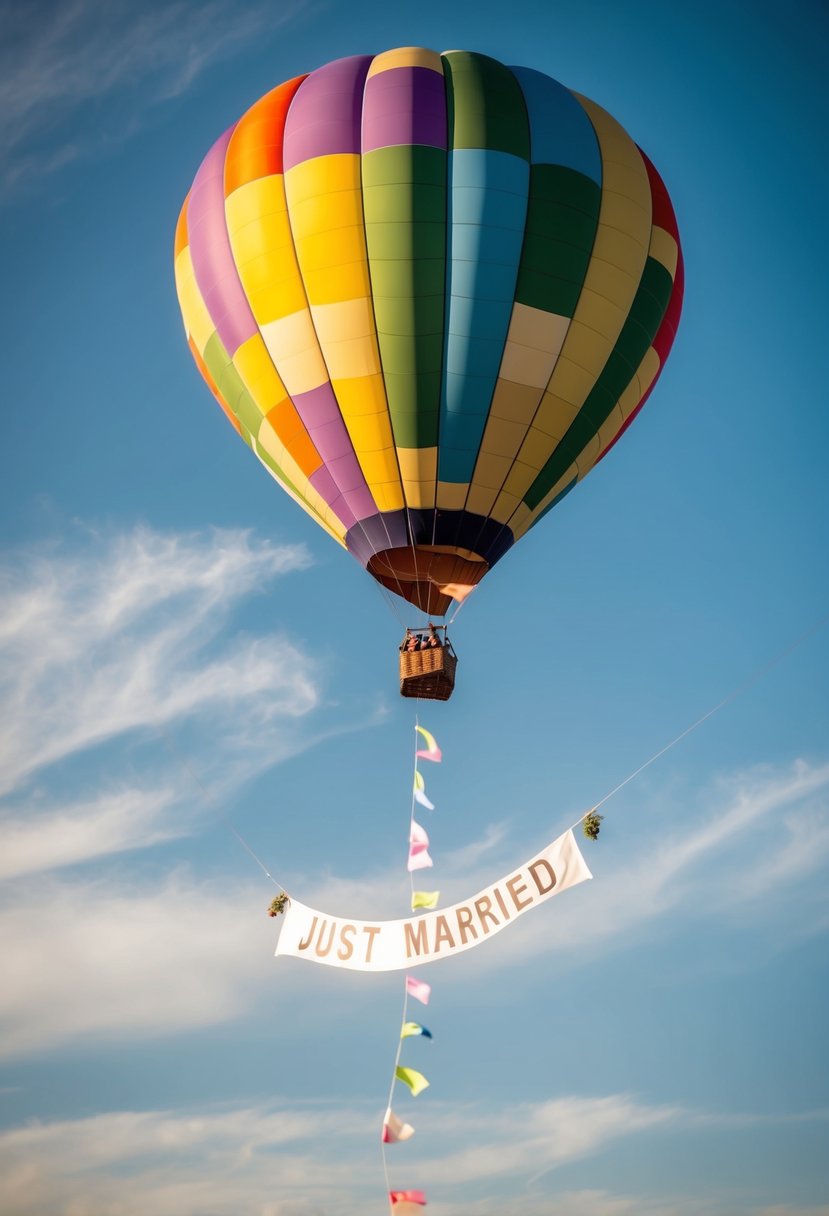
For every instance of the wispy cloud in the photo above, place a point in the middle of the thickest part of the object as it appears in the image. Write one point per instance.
(266, 1158)
(116, 959)
(747, 849)
(115, 639)
(61, 60)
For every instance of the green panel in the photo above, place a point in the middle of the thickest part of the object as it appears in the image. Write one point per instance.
(637, 334)
(485, 105)
(230, 385)
(562, 217)
(390, 241)
(417, 425)
(426, 278)
(404, 163)
(412, 353)
(404, 203)
(418, 315)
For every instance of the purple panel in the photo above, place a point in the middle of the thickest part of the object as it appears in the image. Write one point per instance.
(320, 413)
(324, 116)
(404, 106)
(323, 483)
(213, 263)
(378, 533)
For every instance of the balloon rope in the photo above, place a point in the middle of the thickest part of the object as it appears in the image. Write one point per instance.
(736, 692)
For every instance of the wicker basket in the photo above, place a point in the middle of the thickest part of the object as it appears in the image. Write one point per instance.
(428, 674)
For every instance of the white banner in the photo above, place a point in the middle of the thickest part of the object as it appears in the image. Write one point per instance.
(391, 945)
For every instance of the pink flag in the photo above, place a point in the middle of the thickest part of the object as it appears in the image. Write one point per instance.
(417, 1197)
(395, 1129)
(419, 858)
(419, 989)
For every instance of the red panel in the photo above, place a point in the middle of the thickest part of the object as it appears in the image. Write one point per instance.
(255, 149)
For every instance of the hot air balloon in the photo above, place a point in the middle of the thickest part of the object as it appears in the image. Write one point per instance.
(430, 292)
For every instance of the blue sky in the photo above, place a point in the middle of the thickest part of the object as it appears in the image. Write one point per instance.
(181, 648)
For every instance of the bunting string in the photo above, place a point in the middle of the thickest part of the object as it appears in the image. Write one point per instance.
(395, 1130)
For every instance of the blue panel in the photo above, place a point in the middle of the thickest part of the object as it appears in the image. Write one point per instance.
(487, 215)
(560, 131)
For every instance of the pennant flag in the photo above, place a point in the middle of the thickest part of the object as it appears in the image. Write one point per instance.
(419, 989)
(411, 1077)
(419, 858)
(425, 899)
(414, 1028)
(398, 1197)
(431, 751)
(395, 1129)
(420, 792)
(458, 591)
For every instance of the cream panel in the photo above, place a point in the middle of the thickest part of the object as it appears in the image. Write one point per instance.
(345, 320)
(292, 345)
(513, 402)
(406, 57)
(502, 437)
(418, 472)
(665, 250)
(351, 360)
(451, 495)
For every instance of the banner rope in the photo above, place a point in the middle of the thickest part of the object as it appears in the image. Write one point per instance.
(749, 682)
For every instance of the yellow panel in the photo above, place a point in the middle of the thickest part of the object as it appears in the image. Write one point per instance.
(371, 434)
(292, 345)
(255, 199)
(451, 495)
(322, 249)
(332, 284)
(322, 175)
(664, 249)
(197, 320)
(406, 57)
(263, 249)
(363, 398)
(270, 295)
(418, 472)
(388, 496)
(256, 368)
(327, 212)
(344, 320)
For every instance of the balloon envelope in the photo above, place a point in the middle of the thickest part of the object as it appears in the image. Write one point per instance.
(430, 292)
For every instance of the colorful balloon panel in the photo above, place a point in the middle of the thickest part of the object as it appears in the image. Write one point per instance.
(430, 292)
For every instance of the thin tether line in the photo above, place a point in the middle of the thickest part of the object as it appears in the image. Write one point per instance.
(749, 682)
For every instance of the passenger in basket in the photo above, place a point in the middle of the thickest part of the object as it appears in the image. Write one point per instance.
(433, 641)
